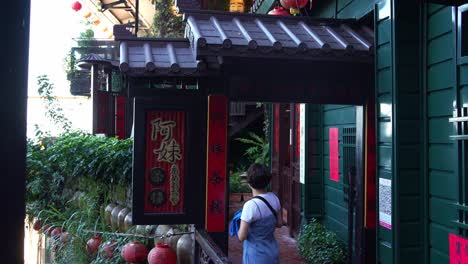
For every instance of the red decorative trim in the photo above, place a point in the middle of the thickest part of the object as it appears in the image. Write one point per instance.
(120, 117)
(165, 159)
(334, 154)
(103, 112)
(216, 164)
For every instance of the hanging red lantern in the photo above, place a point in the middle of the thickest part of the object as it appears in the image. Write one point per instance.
(279, 11)
(47, 229)
(37, 225)
(162, 254)
(134, 252)
(56, 233)
(76, 6)
(107, 250)
(64, 237)
(293, 5)
(92, 245)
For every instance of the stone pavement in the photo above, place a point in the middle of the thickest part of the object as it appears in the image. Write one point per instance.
(289, 254)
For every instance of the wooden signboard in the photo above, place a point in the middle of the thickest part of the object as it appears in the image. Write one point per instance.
(216, 164)
(168, 160)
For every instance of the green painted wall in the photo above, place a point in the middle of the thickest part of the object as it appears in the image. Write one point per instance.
(335, 214)
(343, 8)
(440, 93)
(313, 187)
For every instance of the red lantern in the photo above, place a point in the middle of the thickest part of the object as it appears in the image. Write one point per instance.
(47, 229)
(76, 6)
(107, 250)
(279, 11)
(37, 225)
(162, 254)
(92, 245)
(56, 233)
(64, 237)
(134, 252)
(293, 5)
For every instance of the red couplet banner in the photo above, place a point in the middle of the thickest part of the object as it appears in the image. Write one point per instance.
(165, 159)
(334, 154)
(216, 164)
(458, 249)
(120, 117)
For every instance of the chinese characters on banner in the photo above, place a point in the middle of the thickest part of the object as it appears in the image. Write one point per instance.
(334, 154)
(458, 249)
(165, 170)
(216, 163)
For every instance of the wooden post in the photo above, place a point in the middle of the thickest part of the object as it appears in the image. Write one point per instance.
(94, 96)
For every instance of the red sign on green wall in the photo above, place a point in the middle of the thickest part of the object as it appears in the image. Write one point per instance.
(334, 154)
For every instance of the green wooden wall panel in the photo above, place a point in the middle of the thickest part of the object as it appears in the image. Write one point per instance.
(440, 103)
(385, 34)
(463, 74)
(433, 8)
(356, 9)
(385, 253)
(385, 156)
(385, 132)
(408, 156)
(442, 157)
(341, 116)
(384, 56)
(441, 76)
(410, 205)
(439, 238)
(337, 212)
(384, 106)
(440, 130)
(440, 182)
(442, 211)
(409, 132)
(464, 95)
(438, 257)
(437, 25)
(440, 49)
(409, 103)
(412, 254)
(385, 173)
(343, 4)
(384, 78)
(409, 179)
(335, 195)
(337, 227)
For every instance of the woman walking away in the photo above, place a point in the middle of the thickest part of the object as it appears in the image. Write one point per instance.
(260, 216)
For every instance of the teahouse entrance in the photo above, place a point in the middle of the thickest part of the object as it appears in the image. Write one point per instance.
(237, 57)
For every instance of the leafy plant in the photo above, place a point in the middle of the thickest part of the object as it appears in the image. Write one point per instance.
(258, 150)
(166, 22)
(53, 109)
(235, 184)
(319, 245)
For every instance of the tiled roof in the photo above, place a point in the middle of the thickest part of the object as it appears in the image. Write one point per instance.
(228, 34)
(212, 36)
(166, 57)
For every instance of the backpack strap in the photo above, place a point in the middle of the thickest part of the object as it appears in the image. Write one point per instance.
(268, 204)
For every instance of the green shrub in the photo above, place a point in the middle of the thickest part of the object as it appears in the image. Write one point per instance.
(320, 246)
(235, 184)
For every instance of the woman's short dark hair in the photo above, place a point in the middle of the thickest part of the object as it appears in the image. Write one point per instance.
(258, 176)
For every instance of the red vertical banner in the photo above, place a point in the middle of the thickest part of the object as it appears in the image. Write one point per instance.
(276, 121)
(216, 164)
(298, 130)
(458, 249)
(120, 117)
(164, 162)
(334, 154)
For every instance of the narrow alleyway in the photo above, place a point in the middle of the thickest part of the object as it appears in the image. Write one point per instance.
(289, 254)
